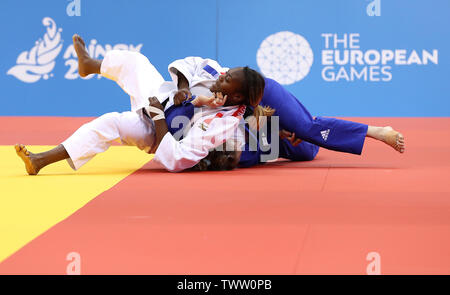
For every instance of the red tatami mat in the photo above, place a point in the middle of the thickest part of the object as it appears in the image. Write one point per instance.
(38, 130)
(318, 217)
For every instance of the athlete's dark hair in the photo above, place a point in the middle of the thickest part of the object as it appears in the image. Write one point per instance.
(253, 87)
(253, 90)
(218, 161)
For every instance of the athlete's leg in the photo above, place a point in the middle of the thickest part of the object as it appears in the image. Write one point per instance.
(97, 136)
(272, 144)
(35, 162)
(132, 71)
(93, 138)
(330, 133)
(305, 151)
(86, 64)
(387, 135)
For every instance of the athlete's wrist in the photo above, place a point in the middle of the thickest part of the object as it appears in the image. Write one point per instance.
(155, 110)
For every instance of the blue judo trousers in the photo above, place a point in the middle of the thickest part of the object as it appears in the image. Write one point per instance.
(329, 133)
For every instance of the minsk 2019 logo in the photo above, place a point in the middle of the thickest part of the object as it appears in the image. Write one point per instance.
(285, 57)
(40, 60)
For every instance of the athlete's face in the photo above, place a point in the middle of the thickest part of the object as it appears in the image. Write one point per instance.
(230, 84)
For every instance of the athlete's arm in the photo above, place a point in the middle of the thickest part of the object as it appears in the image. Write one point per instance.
(185, 71)
(183, 92)
(182, 71)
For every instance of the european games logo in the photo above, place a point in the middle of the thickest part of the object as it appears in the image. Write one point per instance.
(285, 57)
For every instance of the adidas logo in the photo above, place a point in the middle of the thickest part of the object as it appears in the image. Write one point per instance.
(325, 134)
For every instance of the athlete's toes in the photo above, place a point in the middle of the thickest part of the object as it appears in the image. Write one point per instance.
(77, 38)
(19, 148)
(400, 143)
(24, 150)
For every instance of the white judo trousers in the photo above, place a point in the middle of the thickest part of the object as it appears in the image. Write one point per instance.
(139, 78)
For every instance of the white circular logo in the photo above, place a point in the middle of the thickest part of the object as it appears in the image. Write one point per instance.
(285, 57)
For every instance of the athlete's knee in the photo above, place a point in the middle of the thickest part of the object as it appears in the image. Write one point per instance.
(312, 152)
(108, 119)
(309, 152)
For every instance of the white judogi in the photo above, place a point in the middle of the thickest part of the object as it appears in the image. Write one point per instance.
(200, 73)
(207, 132)
(138, 77)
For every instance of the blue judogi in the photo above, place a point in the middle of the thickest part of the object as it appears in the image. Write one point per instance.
(186, 109)
(330, 133)
(305, 151)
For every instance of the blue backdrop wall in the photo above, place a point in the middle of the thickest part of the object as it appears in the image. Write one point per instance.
(340, 58)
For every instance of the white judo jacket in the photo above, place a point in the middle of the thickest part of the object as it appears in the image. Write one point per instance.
(210, 127)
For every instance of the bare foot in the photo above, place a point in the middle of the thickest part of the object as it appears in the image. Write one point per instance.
(28, 158)
(393, 138)
(85, 62)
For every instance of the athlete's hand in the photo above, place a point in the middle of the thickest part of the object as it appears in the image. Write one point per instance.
(215, 101)
(181, 95)
(290, 137)
(218, 101)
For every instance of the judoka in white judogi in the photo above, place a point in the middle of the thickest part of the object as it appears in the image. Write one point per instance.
(138, 77)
